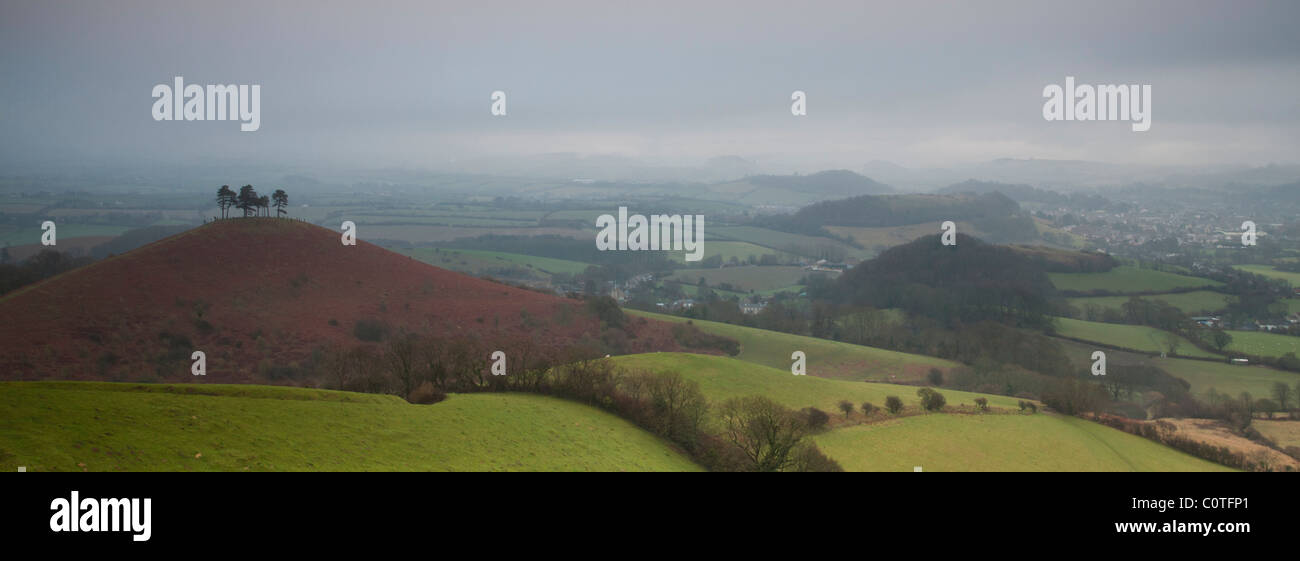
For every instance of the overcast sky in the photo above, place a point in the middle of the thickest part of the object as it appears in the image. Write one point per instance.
(408, 83)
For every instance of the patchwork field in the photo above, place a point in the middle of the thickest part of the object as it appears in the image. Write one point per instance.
(1127, 279)
(1136, 337)
(76, 426)
(1263, 343)
(825, 359)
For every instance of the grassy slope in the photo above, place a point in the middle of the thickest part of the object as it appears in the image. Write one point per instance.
(54, 426)
(721, 378)
(1136, 337)
(827, 359)
(1043, 442)
(1126, 279)
(937, 442)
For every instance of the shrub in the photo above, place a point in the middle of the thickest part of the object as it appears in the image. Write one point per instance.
(868, 408)
(847, 407)
(935, 377)
(816, 418)
(931, 400)
(982, 403)
(894, 404)
(425, 394)
(371, 330)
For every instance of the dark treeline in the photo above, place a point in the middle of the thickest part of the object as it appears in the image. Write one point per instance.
(248, 201)
(36, 268)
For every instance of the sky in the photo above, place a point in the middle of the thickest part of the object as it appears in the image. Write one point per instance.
(408, 84)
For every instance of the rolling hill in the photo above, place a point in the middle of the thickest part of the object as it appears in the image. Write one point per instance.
(1001, 440)
(256, 293)
(826, 358)
(91, 426)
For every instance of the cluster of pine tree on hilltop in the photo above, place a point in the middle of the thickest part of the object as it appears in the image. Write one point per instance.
(250, 202)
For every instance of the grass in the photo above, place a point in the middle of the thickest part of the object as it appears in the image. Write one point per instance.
(1284, 433)
(1227, 378)
(1127, 279)
(61, 426)
(1136, 337)
(826, 359)
(1195, 303)
(1042, 442)
(1201, 374)
(1272, 272)
(1263, 343)
(721, 378)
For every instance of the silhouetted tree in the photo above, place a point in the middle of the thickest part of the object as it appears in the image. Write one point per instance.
(226, 198)
(264, 202)
(281, 200)
(247, 200)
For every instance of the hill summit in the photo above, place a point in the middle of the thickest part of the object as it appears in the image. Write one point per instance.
(257, 294)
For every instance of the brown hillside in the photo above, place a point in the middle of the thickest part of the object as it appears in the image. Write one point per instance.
(255, 293)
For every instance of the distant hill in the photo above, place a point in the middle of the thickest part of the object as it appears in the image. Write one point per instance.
(969, 282)
(996, 217)
(1019, 192)
(830, 183)
(254, 294)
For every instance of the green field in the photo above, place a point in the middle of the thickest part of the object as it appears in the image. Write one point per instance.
(1127, 279)
(1201, 374)
(745, 278)
(741, 251)
(1262, 343)
(1196, 303)
(61, 426)
(1271, 272)
(1136, 337)
(826, 359)
(1043, 442)
(721, 378)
